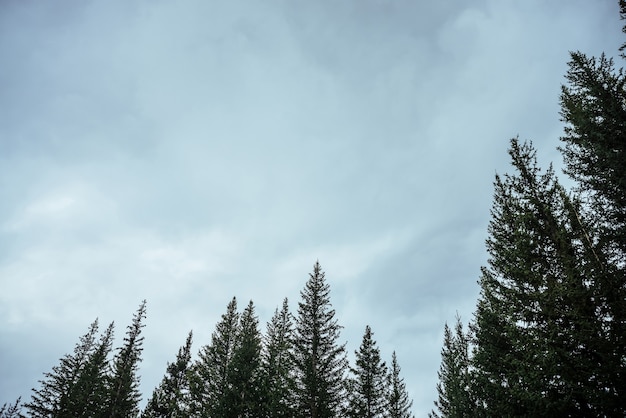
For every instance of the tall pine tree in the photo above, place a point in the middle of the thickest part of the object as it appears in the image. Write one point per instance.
(209, 382)
(535, 328)
(320, 361)
(398, 402)
(454, 386)
(368, 380)
(593, 104)
(124, 395)
(244, 394)
(89, 396)
(52, 398)
(171, 398)
(13, 410)
(278, 368)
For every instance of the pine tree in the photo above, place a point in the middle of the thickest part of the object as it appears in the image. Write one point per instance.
(124, 381)
(454, 384)
(535, 332)
(52, 398)
(209, 379)
(89, 396)
(368, 380)
(244, 396)
(398, 402)
(320, 362)
(593, 107)
(278, 369)
(170, 398)
(13, 410)
(622, 14)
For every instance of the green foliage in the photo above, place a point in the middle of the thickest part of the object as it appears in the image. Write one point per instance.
(593, 107)
(398, 401)
(278, 366)
(244, 395)
(124, 392)
(454, 387)
(293, 371)
(320, 362)
(13, 410)
(368, 380)
(535, 323)
(209, 379)
(51, 399)
(171, 398)
(89, 396)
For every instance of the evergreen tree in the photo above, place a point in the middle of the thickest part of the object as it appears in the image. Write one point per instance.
(13, 410)
(454, 384)
(535, 332)
(89, 396)
(593, 107)
(398, 402)
(243, 396)
(320, 362)
(622, 15)
(209, 383)
(278, 368)
(51, 400)
(367, 384)
(124, 381)
(170, 398)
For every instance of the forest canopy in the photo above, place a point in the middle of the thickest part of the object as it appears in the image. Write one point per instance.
(298, 367)
(548, 337)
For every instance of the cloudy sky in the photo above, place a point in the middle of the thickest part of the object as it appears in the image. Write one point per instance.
(188, 152)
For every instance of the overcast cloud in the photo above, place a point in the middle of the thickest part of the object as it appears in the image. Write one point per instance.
(188, 152)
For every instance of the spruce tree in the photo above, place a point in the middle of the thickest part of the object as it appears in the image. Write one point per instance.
(535, 331)
(89, 396)
(244, 392)
(170, 398)
(453, 388)
(51, 400)
(319, 360)
(593, 106)
(124, 395)
(13, 410)
(398, 403)
(368, 380)
(278, 368)
(209, 383)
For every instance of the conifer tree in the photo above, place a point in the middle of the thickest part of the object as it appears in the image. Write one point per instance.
(244, 396)
(89, 396)
(368, 380)
(594, 109)
(454, 384)
(170, 398)
(278, 369)
(52, 398)
(13, 410)
(124, 395)
(536, 331)
(209, 379)
(320, 361)
(593, 106)
(398, 402)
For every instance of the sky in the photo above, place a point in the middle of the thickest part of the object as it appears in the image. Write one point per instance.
(188, 152)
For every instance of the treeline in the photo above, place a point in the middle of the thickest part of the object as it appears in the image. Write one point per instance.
(548, 337)
(297, 368)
